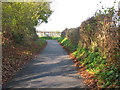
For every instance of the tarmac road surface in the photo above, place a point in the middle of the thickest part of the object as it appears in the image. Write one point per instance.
(51, 69)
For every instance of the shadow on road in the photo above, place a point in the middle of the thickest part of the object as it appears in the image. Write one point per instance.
(52, 68)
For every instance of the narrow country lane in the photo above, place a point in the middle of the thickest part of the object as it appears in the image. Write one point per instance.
(51, 69)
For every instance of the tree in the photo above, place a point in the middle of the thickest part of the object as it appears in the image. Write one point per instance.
(19, 19)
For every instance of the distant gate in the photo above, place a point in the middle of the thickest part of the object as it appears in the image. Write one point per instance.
(48, 33)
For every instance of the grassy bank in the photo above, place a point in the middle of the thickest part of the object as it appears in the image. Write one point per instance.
(93, 66)
(20, 43)
(15, 56)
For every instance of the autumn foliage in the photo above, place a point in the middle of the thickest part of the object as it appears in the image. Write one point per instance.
(20, 42)
(98, 49)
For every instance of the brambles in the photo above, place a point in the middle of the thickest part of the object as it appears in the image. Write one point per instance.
(98, 48)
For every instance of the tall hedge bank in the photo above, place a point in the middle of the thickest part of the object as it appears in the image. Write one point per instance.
(98, 48)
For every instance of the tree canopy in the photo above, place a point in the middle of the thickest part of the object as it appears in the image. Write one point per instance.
(19, 18)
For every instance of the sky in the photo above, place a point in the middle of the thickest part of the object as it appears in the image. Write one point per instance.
(71, 13)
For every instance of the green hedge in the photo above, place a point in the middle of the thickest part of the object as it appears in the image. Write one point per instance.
(67, 44)
(106, 75)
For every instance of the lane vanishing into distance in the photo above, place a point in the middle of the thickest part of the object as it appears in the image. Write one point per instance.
(52, 68)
